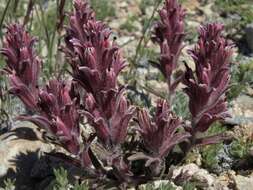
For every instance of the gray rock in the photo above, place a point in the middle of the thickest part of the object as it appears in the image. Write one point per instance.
(251, 151)
(225, 161)
(243, 183)
(249, 36)
(192, 172)
(20, 148)
(224, 181)
(242, 113)
(28, 156)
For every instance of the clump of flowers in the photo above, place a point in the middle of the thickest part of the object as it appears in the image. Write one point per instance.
(96, 63)
(52, 106)
(23, 65)
(160, 134)
(206, 89)
(169, 34)
(94, 95)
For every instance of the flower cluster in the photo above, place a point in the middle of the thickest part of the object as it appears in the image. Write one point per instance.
(96, 62)
(58, 112)
(23, 65)
(94, 95)
(53, 107)
(169, 34)
(161, 134)
(207, 89)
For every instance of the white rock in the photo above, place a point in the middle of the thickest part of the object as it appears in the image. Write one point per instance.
(201, 176)
(243, 183)
(20, 140)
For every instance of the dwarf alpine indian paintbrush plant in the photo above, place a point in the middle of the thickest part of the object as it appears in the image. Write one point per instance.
(93, 97)
(96, 63)
(206, 89)
(51, 106)
(169, 34)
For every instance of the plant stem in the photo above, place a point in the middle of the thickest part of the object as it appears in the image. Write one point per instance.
(143, 35)
(4, 13)
(44, 24)
(28, 11)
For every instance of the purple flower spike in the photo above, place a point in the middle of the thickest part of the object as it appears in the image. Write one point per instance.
(58, 113)
(54, 108)
(23, 65)
(96, 63)
(169, 34)
(207, 89)
(111, 124)
(161, 133)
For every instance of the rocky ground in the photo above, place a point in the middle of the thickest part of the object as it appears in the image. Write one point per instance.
(24, 148)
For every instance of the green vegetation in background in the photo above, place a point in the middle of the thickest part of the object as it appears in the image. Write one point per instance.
(61, 179)
(241, 79)
(167, 186)
(8, 185)
(209, 156)
(129, 24)
(209, 153)
(239, 148)
(62, 183)
(46, 21)
(103, 8)
(243, 8)
(146, 22)
(180, 105)
(189, 186)
(145, 4)
(162, 186)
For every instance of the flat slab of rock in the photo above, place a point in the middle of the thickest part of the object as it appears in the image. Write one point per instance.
(192, 172)
(19, 150)
(242, 112)
(243, 183)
